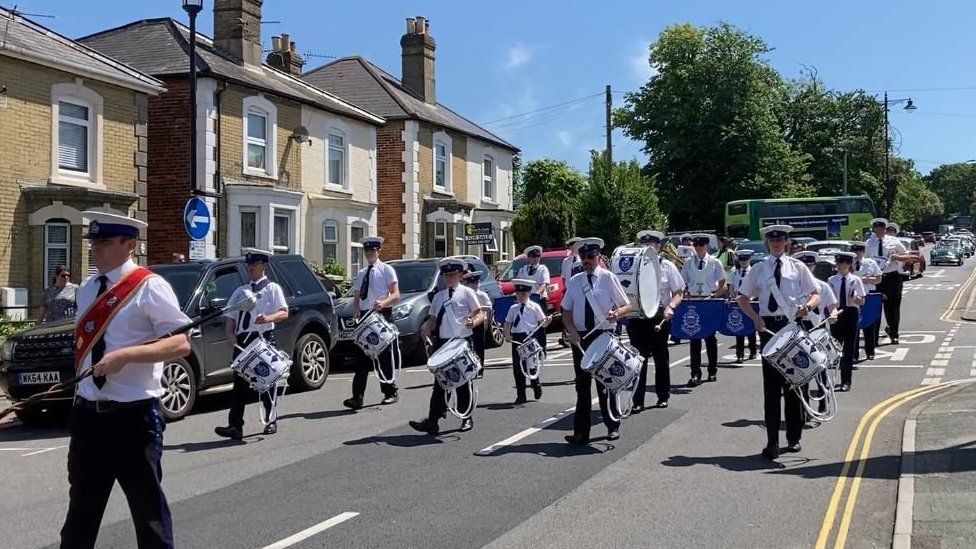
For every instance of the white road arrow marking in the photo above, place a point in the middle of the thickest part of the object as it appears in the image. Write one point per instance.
(898, 355)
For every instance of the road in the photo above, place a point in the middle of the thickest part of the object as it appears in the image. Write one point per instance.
(688, 476)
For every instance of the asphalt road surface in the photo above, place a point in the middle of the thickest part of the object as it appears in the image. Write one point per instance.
(686, 476)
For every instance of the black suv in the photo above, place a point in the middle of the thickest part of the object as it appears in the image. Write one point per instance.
(418, 280)
(35, 359)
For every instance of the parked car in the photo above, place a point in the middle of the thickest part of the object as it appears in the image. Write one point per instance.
(928, 236)
(946, 255)
(418, 280)
(36, 359)
(758, 247)
(820, 245)
(675, 238)
(553, 260)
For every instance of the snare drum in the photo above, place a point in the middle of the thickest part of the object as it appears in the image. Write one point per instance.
(532, 356)
(821, 335)
(795, 354)
(612, 364)
(454, 364)
(261, 364)
(374, 334)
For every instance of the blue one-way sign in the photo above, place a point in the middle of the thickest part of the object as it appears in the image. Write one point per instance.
(196, 218)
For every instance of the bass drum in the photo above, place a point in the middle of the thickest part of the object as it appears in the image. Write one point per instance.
(638, 270)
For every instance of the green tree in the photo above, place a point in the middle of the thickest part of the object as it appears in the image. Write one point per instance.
(710, 121)
(955, 185)
(916, 207)
(549, 178)
(546, 221)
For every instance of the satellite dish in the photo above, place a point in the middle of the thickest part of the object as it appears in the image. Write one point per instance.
(301, 135)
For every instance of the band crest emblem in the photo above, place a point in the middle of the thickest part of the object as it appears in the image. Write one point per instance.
(691, 321)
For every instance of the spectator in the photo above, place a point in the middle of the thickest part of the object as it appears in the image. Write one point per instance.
(179, 258)
(58, 300)
(797, 247)
(725, 254)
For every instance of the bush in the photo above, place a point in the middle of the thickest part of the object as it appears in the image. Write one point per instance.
(330, 269)
(8, 326)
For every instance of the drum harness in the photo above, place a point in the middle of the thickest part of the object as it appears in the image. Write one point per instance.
(525, 371)
(450, 396)
(394, 350)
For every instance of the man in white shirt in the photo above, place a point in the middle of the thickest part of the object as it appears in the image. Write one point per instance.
(591, 316)
(650, 335)
(743, 259)
(377, 290)
(479, 332)
(828, 301)
(535, 270)
(454, 311)
(571, 263)
(850, 296)
(786, 290)
(889, 252)
(116, 426)
(523, 317)
(242, 328)
(870, 274)
(704, 277)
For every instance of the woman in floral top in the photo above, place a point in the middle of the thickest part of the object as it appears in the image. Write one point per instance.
(58, 300)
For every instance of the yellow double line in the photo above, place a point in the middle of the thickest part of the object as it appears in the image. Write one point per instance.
(947, 315)
(874, 417)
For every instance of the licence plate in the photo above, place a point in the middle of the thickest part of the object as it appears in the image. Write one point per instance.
(36, 378)
(345, 335)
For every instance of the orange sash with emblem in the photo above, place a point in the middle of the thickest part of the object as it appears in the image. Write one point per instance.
(92, 324)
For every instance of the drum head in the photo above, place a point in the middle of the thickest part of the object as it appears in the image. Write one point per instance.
(648, 284)
(783, 336)
(596, 351)
(447, 352)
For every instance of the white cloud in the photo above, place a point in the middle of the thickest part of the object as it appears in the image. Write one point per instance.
(564, 137)
(639, 66)
(518, 55)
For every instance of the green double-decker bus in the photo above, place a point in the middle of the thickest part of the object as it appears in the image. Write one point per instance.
(822, 217)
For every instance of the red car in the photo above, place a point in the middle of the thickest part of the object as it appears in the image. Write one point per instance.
(553, 260)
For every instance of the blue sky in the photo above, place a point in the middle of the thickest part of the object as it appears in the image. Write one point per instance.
(501, 59)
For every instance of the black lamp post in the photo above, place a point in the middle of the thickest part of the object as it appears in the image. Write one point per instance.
(192, 8)
(889, 194)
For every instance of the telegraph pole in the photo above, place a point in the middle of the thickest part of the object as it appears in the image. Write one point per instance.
(609, 137)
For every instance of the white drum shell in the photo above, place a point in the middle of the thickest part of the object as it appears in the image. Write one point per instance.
(532, 356)
(261, 365)
(454, 364)
(831, 347)
(612, 364)
(374, 334)
(638, 271)
(795, 354)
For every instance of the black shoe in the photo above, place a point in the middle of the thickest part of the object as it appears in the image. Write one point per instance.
(752, 356)
(661, 404)
(271, 428)
(613, 435)
(770, 452)
(229, 432)
(466, 424)
(793, 448)
(425, 426)
(392, 399)
(894, 341)
(855, 367)
(844, 387)
(694, 381)
(811, 424)
(353, 403)
(636, 409)
(870, 357)
(520, 400)
(537, 392)
(712, 377)
(576, 439)
(481, 373)
(738, 360)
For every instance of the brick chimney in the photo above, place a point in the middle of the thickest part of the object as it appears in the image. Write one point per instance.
(237, 29)
(283, 56)
(418, 59)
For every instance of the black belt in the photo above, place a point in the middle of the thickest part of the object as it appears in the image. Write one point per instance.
(773, 317)
(102, 406)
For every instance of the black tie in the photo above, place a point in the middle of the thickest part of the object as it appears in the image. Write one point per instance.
(843, 293)
(364, 289)
(778, 276)
(857, 267)
(532, 270)
(98, 350)
(246, 315)
(589, 317)
(880, 249)
(440, 314)
(701, 264)
(518, 317)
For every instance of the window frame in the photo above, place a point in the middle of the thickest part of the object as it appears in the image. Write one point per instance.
(77, 94)
(443, 139)
(260, 106)
(48, 246)
(488, 179)
(247, 210)
(440, 237)
(459, 244)
(89, 126)
(356, 257)
(326, 242)
(290, 216)
(344, 179)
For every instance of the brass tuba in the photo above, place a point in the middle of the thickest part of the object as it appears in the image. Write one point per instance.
(670, 252)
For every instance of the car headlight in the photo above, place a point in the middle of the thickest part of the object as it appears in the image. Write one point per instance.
(7, 351)
(401, 311)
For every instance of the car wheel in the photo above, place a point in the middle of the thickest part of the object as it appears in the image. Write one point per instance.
(496, 336)
(311, 362)
(38, 416)
(179, 389)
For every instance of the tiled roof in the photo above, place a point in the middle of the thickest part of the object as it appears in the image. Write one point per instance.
(363, 83)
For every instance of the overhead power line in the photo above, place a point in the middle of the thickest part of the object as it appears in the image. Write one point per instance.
(542, 109)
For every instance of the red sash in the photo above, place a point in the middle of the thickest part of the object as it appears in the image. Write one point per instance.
(92, 324)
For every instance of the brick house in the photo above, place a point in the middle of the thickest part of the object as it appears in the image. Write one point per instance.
(261, 131)
(74, 132)
(436, 169)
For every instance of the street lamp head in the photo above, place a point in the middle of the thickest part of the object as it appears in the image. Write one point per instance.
(192, 6)
(910, 105)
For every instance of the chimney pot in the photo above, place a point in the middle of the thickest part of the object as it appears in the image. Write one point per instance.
(285, 39)
(291, 47)
(410, 25)
(427, 27)
(417, 56)
(421, 24)
(275, 43)
(237, 29)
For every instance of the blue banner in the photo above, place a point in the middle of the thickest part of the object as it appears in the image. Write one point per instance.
(870, 312)
(735, 323)
(697, 318)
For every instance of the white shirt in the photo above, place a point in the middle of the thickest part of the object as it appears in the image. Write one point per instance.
(380, 278)
(736, 277)
(854, 288)
(270, 300)
(570, 262)
(671, 282)
(529, 316)
(540, 276)
(866, 267)
(827, 299)
(889, 245)
(461, 305)
(796, 282)
(484, 299)
(607, 292)
(702, 274)
(152, 311)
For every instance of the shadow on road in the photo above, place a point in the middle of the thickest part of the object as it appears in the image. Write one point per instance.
(549, 449)
(324, 414)
(952, 459)
(730, 463)
(17, 432)
(746, 423)
(188, 447)
(400, 441)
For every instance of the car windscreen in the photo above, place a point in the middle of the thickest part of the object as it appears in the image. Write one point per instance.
(817, 246)
(554, 264)
(754, 245)
(183, 280)
(414, 277)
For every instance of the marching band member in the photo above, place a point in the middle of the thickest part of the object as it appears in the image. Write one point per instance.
(243, 327)
(889, 252)
(454, 311)
(535, 270)
(686, 239)
(792, 281)
(742, 257)
(850, 296)
(571, 263)
(378, 291)
(704, 277)
(479, 336)
(827, 307)
(870, 275)
(116, 428)
(650, 335)
(591, 295)
(523, 317)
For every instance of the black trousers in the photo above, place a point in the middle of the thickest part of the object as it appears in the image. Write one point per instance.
(845, 331)
(242, 390)
(652, 345)
(438, 406)
(711, 349)
(774, 388)
(740, 342)
(891, 288)
(517, 369)
(364, 365)
(124, 445)
(870, 335)
(479, 338)
(584, 387)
